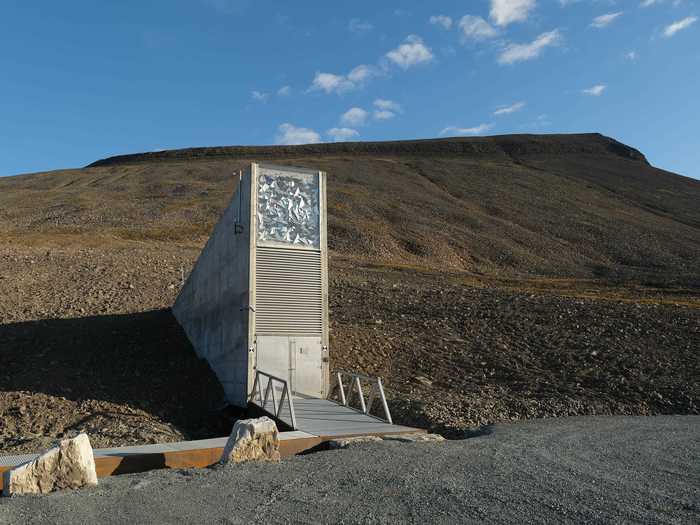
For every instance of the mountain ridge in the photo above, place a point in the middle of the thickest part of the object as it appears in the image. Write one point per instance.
(511, 145)
(581, 206)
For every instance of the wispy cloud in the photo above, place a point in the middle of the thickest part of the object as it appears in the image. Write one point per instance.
(507, 110)
(354, 117)
(441, 20)
(284, 91)
(673, 28)
(605, 20)
(288, 134)
(649, 3)
(476, 130)
(594, 91)
(520, 52)
(476, 28)
(631, 55)
(342, 134)
(259, 96)
(359, 26)
(504, 12)
(386, 109)
(332, 83)
(411, 53)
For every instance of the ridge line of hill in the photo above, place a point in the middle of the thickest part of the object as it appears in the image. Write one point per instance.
(511, 146)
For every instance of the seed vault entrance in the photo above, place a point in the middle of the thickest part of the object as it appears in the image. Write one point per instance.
(257, 298)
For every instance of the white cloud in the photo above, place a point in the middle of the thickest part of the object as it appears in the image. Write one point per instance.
(341, 134)
(260, 97)
(476, 28)
(520, 52)
(649, 3)
(362, 74)
(631, 55)
(359, 26)
(354, 117)
(504, 12)
(605, 20)
(383, 114)
(476, 130)
(506, 110)
(673, 28)
(412, 52)
(441, 20)
(386, 109)
(284, 91)
(594, 91)
(383, 103)
(288, 134)
(332, 83)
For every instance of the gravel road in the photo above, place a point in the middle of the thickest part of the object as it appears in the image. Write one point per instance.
(572, 470)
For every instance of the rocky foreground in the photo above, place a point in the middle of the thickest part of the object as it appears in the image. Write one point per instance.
(88, 344)
(571, 470)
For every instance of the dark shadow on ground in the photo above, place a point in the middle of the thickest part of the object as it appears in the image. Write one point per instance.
(141, 359)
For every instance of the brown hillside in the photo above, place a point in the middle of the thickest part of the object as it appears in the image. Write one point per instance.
(575, 206)
(485, 279)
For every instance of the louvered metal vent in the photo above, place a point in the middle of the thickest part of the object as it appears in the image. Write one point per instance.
(288, 291)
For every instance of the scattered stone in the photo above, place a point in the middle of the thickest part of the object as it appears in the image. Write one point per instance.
(252, 440)
(422, 380)
(417, 437)
(348, 442)
(70, 465)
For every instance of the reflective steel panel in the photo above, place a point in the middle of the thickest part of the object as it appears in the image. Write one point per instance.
(287, 208)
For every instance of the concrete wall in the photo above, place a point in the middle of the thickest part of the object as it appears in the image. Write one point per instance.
(212, 307)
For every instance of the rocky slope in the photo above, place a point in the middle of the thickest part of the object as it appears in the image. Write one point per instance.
(485, 279)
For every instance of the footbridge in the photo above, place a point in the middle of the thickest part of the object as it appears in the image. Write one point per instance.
(356, 406)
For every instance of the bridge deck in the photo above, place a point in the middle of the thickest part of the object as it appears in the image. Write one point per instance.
(318, 420)
(327, 419)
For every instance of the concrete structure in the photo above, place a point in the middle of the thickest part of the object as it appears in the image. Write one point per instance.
(257, 298)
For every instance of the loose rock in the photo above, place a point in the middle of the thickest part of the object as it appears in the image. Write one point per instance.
(252, 440)
(70, 465)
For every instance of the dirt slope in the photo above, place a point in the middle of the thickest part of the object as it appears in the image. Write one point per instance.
(486, 279)
(574, 206)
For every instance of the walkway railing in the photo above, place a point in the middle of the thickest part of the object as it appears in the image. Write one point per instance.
(355, 387)
(272, 385)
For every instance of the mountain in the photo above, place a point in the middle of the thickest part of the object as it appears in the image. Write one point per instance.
(484, 279)
(517, 205)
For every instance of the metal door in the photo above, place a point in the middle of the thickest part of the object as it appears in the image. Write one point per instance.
(297, 360)
(273, 356)
(307, 378)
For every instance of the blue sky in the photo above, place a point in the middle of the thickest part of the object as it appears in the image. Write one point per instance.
(85, 79)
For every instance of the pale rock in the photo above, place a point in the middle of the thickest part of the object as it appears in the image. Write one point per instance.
(252, 440)
(70, 465)
(417, 437)
(348, 442)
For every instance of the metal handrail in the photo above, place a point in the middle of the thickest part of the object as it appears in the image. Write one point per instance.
(270, 393)
(356, 384)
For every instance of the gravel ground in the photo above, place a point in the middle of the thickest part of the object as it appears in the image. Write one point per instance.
(571, 470)
(87, 343)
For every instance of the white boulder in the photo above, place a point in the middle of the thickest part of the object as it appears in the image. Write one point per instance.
(352, 441)
(70, 465)
(416, 437)
(252, 440)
